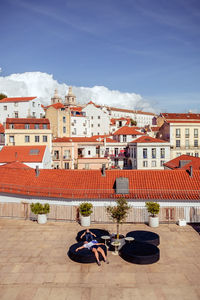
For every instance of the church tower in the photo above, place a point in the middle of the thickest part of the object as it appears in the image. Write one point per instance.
(70, 98)
(56, 98)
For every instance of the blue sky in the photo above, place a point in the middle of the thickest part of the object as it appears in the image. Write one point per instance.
(149, 47)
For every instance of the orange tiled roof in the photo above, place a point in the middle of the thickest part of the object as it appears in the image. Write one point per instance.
(27, 121)
(76, 108)
(76, 139)
(55, 105)
(90, 184)
(148, 139)
(177, 116)
(22, 154)
(131, 111)
(190, 161)
(125, 130)
(2, 130)
(17, 99)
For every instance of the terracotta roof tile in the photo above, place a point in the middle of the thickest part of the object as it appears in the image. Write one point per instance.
(187, 162)
(55, 105)
(17, 99)
(22, 154)
(148, 139)
(177, 116)
(86, 184)
(27, 121)
(125, 130)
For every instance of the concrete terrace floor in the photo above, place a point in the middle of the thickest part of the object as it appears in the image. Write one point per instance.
(34, 265)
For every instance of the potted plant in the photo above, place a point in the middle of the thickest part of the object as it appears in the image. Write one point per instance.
(118, 214)
(85, 210)
(41, 210)
(153, 208)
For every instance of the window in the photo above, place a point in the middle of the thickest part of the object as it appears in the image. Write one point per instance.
(41, 115)
(145, 163)
(16, 114)
(33, 104)
(37, 139)
(178, 154)
(64, 119)
(64, 129)
(16, 104)
(98, 125)
(153, 163)
(178, 143)
(44, 126)
(27, 126)
(74, 121)
(86, 166)
(162, 163)
(92, 117)
(89, 152)
(11, 139)
(178, 133)
(66, 165)
(12, 126)
(56, 154)
(27, 139)
(124, 138)
(195, 143)
(116, 151)
(153, 151)
(92, 125)
(33, 113)
(135, 153)
(196, 154)
(74, 131)
(44, 138)
(66, 154)
(99, 117)
(36, 126)
(144, 152)
(186, 144)
(188, 153)
(195, 133)
(187, 132)
(5, 107)
(162, 152)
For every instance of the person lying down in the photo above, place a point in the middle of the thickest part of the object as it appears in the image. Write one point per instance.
(94, 246)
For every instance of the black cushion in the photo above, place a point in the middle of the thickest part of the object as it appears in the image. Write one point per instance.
(140, 253)
(97, 232)
(145, 236)
(84, 255)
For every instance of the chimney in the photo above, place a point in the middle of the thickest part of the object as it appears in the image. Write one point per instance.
(122, 185)
(37, 171)
(191, 171)
(103, 170)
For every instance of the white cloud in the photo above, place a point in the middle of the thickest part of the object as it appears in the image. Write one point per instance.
(43, 85)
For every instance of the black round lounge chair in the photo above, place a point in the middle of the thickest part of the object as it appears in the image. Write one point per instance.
(97, 232)
(140, 253)
(84, 256)
(145, 236)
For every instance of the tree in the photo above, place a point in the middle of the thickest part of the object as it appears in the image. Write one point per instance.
(153, 208)
(2, 96)
(119, 212)
(133, 122)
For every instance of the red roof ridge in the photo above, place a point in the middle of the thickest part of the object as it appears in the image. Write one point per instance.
(17, 99)
(148, 139)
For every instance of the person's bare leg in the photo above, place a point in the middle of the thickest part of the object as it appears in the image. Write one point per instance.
(103, 254)
(96, 255)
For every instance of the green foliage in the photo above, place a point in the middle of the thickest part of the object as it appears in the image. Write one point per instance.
(2, 96)
(119, 212)
(153, 208)
(39, 209)
(133, 122)
(85, 209)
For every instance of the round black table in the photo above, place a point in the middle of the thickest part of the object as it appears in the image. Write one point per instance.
(140, 253)
(84, 256)
(97, 232)
(145, 236)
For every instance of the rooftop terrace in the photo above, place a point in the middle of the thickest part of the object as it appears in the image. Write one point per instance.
(34, 265)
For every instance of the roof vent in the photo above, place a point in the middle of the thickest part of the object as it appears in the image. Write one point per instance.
(103, 170)
(122, 185)
(37, 171)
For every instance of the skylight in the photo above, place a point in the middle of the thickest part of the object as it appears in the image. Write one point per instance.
(34, 151)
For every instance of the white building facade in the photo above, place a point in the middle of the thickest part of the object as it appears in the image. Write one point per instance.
(20, 107)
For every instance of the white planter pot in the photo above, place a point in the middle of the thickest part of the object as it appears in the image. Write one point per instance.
(182, 222)
(42, 219)
(85, 221)
(153, 221)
